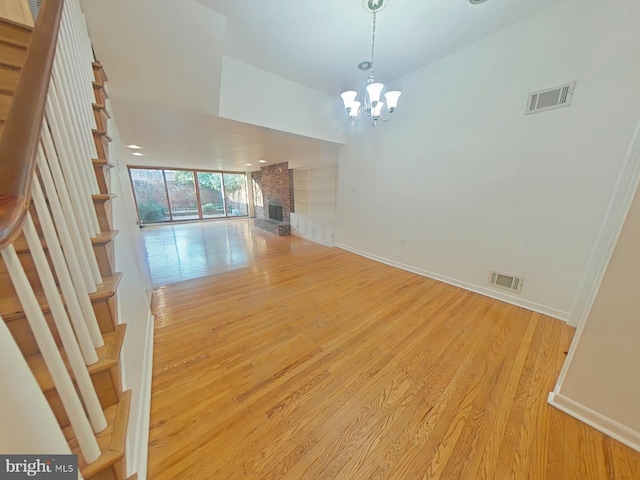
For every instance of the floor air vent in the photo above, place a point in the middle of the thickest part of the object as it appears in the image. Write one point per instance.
(509, 282)
(550, 98)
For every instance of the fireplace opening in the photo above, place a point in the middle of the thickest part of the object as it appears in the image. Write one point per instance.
(275, 212)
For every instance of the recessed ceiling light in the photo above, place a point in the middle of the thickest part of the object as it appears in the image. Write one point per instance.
(134, 146)
(262, 161)
(138, 154)
(248, 164)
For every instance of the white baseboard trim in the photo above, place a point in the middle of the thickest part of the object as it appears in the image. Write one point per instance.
(600, 422)
(533, 306)
(141, 447)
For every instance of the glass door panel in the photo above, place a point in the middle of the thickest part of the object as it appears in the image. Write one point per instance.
(211, 198)
(235, 194)
(182, 195)
(151, 195)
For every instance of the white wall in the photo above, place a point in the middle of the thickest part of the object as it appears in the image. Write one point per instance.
(147, 60)
(472, 184)
(599, 381)
(134, 298)
(254, 96)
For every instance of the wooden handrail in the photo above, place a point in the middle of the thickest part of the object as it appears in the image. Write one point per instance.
(21, 135)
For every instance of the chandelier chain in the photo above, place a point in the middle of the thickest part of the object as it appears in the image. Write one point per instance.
(373, 40)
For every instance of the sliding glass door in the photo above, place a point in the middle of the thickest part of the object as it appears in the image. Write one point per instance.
(182, 194)
(235, 194)
(151, 195)
(211, 198)
(165, 195)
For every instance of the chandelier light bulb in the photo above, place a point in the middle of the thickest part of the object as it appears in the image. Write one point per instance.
(349, 97)
(392, 99)
(374, 90)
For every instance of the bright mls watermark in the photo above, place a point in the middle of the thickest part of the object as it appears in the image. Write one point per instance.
(50, 467)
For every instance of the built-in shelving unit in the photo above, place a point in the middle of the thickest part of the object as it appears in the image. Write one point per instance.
(314, 193)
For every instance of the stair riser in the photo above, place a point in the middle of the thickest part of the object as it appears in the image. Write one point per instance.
(111, 473)
(6, 284)
(99, 75)
(9, 76)
(107, 385)
(22, 334)
(100, 94)
(12, 53)
(105, 218)
(5, 104)
(103, 175)
(104, 256)
(105, 311)
(102, 145)
(15, 33)
(101, 119)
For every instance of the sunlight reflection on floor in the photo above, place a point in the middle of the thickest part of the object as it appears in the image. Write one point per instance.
(190, 250)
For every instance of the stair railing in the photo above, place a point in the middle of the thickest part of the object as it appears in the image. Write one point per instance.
(46, 152)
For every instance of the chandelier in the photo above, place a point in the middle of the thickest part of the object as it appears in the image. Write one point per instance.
(372, 106)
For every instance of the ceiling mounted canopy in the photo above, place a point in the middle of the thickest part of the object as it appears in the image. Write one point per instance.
(373, 105)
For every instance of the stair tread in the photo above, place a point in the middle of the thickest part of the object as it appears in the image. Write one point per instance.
(103, 197)
(99, 85)
(111, 440)
(101, 162)
(104, 237)
(108, 357)
(13, 43)
(103, 134)
(21, 246)
(11, 308)
(98, 107)
(10, 65)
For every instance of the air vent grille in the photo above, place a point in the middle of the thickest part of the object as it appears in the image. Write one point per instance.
(506, 281)
(550, 98)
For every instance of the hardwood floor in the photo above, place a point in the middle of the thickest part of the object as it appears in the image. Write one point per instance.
(315, 363)
(183, 251)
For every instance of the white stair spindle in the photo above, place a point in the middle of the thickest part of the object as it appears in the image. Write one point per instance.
(72, 405)
(85, 326)
(27, 424)
(76, 226)
(80, 131)
(66, 150)
(84, 41)
(61, 320)
(83, 310)
(65, 69)
(69, 183)
(74, 145)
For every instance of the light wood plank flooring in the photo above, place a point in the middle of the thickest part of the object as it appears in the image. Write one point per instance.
(183, 251)
(314, 363)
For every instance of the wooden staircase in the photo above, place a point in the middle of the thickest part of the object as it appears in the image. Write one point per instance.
(14, 40)
(105, 373)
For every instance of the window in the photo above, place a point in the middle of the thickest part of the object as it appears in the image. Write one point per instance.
(164, 195)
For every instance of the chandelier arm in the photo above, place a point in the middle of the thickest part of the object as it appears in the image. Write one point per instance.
(381, 117)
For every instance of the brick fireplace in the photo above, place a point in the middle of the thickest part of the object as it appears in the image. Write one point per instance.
(273, 186)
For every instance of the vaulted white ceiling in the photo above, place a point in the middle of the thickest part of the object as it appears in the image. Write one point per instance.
(164, 57)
